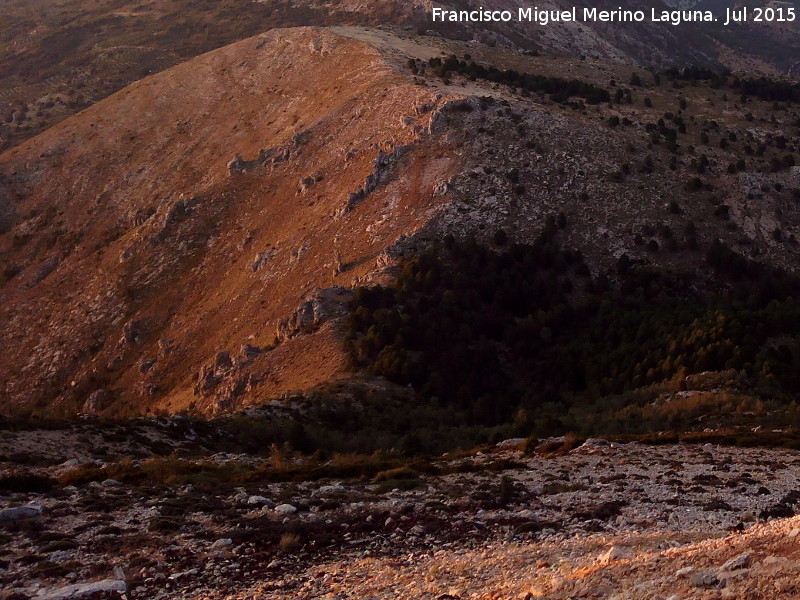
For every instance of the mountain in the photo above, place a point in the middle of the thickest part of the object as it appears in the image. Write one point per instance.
(151, 221)
(262, 284)
(192, 241)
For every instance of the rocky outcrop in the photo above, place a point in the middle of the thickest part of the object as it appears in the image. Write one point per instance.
(224, 381)
(176, 213)
(46, 267)
(325, 306)
(440, 117)
(382, 171)
(211, 375)
(96, 401)
(262, 259)
(403, 246)
(273, 156)
(130, 333)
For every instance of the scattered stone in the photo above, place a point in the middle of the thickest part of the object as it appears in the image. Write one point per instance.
(454, 517)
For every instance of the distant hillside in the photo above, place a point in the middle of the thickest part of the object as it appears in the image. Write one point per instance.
(57, 60)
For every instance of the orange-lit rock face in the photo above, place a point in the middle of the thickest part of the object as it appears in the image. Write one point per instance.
(142, 255)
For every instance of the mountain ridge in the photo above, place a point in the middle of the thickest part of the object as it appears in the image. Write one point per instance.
(238, 198)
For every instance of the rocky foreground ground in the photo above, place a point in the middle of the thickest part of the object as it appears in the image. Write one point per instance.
(603, 520)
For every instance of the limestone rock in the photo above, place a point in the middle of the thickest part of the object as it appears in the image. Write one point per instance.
(314, 312)
(96, 401)
(20, 513)
(703, 579)
(285, 509)
(739, 562)
(258, 501)
(612, 554)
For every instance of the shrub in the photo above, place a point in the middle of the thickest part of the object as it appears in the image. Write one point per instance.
(395, 474)
(289, 542)
(163, 525)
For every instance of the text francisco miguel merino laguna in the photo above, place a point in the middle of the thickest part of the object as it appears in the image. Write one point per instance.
(671, 17)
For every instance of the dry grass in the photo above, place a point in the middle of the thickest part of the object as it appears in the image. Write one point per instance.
(289, 542)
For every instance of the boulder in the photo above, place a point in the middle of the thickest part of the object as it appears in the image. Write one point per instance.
(285, 509)
(258, 501)
(739, 562)
(249, 351)
(703, 579)
(327, 490)
(15, 514)
(684, 572)
(306, 183)
(612, 554)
